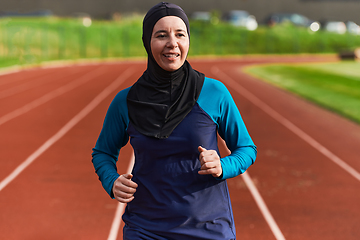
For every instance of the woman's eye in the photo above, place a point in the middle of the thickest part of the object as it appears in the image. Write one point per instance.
(161, 36)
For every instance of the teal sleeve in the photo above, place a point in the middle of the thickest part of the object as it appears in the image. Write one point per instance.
(112, 138)
(217, 102)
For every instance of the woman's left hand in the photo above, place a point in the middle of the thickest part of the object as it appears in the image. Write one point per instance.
(210, 162)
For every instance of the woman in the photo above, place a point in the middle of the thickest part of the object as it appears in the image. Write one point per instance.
(172, 114)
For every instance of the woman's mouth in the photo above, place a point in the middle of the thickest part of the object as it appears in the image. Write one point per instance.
(171, 55)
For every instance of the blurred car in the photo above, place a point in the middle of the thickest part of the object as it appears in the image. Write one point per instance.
(293, 18)
(241, 18)
(39, 13)
(352, 28)
(334, 26)
(201, 16)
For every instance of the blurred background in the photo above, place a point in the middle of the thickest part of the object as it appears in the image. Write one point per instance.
(34, 31)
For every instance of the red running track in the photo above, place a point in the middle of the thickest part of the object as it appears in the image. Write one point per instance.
(304, 184)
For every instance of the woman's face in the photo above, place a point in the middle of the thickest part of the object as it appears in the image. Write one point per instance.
(170, 43)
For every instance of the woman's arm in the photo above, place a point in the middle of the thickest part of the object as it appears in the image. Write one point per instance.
(233, 130)
(112, 138)
(222, 109)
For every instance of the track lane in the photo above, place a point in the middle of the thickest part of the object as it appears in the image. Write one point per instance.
(289, 125)
(56, 189)
(64, 81)
(41, 123)
(9, 78)
(300, 192)
(68, 126)
(301, 186)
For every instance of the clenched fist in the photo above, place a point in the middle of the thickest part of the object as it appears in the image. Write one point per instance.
(210, 162)
(124, 188)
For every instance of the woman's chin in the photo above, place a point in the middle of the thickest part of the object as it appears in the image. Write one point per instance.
(170, 67)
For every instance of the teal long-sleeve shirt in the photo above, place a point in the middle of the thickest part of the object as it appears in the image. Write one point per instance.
(215, 101)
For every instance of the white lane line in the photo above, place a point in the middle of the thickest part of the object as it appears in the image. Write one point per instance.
(76, 119)
(35, 82)
(120, 208)
(18, 77)
(9, 71)
(259, 200)
(51, 95)
(289, 125)
(262, 206)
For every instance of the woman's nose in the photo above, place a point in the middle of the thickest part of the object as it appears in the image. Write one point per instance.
(172, 43)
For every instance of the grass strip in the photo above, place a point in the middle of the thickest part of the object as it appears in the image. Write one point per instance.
(335, 86)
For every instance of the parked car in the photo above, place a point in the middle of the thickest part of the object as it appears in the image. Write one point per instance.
(201, 16)
(334, 26)
(39, 13)
(293, 18)
(352, 28)
(241, 18)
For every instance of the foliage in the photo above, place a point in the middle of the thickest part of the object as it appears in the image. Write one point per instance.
(33, 40)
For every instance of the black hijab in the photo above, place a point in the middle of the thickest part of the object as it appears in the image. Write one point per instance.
(160, 99)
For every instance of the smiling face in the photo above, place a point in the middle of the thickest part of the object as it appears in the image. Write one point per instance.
(170, 43)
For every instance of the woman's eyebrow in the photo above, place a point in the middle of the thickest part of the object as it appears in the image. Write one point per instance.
(160, 31)
(165, 31)
(180, 30)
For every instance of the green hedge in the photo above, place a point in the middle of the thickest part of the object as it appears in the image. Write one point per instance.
(33, 40)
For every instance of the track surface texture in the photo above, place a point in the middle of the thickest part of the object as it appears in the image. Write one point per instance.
(304, 184)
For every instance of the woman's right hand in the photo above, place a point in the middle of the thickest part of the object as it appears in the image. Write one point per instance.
(124, 189)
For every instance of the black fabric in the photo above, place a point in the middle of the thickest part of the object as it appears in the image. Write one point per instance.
(158, 11)
(160, 100)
